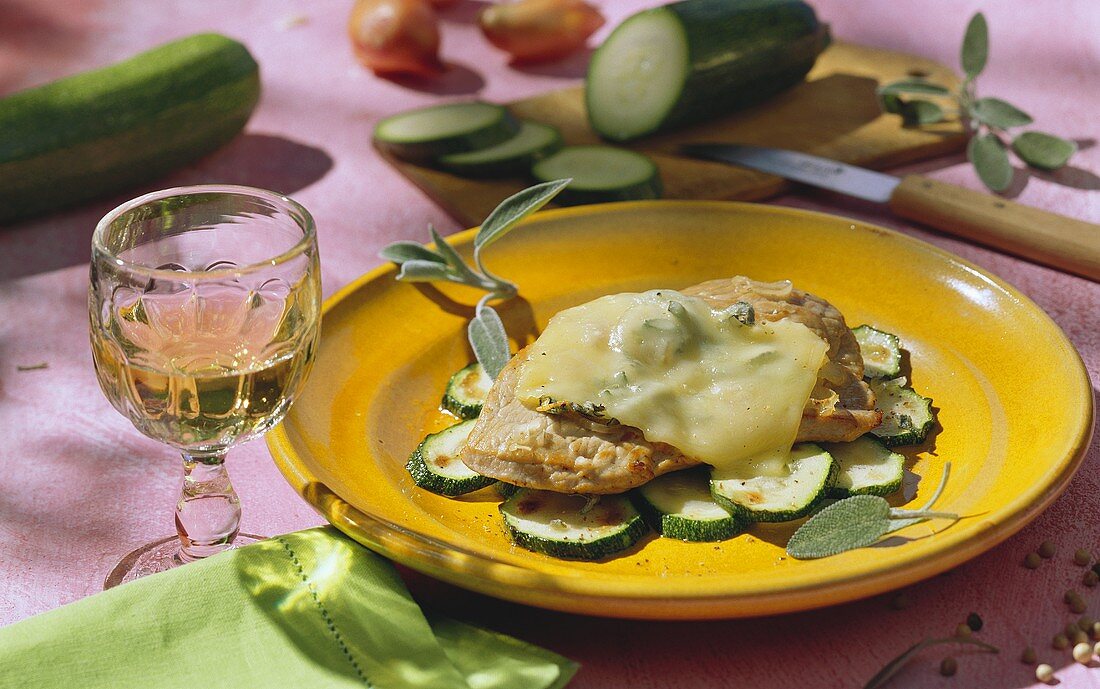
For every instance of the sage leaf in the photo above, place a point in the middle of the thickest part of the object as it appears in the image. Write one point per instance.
(897, 524)
(913, 86)
(891, 668)
(515, 208)
(890, 103)
(975, 47)
(418, 270)
(987, 154)
(447, 252)
(854, 522)
(489, 340)
(998, 113)
(399, 252)
(1044, 151)
(918, 112)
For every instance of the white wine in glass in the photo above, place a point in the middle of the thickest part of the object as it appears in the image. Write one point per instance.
(205, 312)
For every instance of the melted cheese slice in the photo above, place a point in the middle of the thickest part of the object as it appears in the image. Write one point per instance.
(724, 393)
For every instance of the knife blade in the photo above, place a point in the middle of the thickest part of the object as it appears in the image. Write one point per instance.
(1054, 240)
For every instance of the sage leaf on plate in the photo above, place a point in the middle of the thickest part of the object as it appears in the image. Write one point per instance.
(854, 522)
(418, 270)
(891, 668)
(917, 112)
(998, 113)
(975, 46)
(399, 252)
(913, 86)
(489, 340)
(987, 154)
(1044, 151)
(515, 208)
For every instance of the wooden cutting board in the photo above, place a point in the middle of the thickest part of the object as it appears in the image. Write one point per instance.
(834, 114)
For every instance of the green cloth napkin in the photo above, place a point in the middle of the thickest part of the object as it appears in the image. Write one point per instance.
(308, 609)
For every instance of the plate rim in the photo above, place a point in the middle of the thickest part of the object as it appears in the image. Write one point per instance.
(410, 548)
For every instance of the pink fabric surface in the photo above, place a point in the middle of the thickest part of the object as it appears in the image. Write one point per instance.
(80, 487)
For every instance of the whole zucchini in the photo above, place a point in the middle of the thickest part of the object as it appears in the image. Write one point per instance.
(104, 130)
(698, 59)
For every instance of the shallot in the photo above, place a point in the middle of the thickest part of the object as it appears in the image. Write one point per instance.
(396, 36)
(540, 30)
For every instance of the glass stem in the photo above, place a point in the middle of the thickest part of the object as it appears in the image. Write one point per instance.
(208, 513)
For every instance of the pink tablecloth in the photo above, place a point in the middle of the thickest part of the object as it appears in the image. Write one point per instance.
(79, 487)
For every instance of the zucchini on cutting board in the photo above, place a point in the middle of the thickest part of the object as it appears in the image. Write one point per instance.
(102, 131)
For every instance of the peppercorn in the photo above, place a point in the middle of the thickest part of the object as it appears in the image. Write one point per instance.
(1032, 561)
(1078, 606)
(1044, 673)
(974, 621)
(1079, 637)
(962, 631)
(1085, 623)
(1082, 653)
(1060, 641)
(1091, 578)
(1082, 557)
(1029, 656)
(1070, 629)
(1046, 550)
(949, 666)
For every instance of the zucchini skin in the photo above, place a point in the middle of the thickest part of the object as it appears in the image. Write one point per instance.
(458, 401)
(426, 152)
(108, 129)
(634, 528)
(519, 165)
(684, 529)
(425, 478)
(740, 53)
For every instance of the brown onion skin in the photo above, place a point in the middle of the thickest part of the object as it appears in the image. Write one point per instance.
(540, 30)
(396, 37)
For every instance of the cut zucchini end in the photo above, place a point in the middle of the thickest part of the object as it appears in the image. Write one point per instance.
(558, 525)
(423, 135)
(679, 505)
(811, 473)
(435, 465)
(865, 467)
(511, 157)
(600, 174)
(466, 392)
(881, 352)
(907, 417)
(636, 76)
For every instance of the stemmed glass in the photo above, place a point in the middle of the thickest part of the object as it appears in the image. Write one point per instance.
(205, 312)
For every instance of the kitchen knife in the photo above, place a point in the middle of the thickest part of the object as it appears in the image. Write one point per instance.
(1049, 238)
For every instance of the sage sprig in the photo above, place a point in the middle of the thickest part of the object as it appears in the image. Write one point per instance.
(857, 522)
(986, 120)
(418, 263)
(891, 668)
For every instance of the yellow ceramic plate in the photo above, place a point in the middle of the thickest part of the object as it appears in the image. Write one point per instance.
(1013, 400)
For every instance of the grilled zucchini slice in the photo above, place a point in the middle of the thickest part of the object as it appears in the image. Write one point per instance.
(881, 352)
(434, 464)
(466, 392)
(569, 527)
(865, 467)
(679, 505)
(810, 472)
(907, 417)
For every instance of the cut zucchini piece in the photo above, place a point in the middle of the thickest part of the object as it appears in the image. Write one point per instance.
(466, 392)
(435, 465)
(600, 174)
(865, 467)
(428, 133)
(559, 525)
(513, 156)
(698, 59)
(907, 417)
(881, 352)
(679, 505)
(810, 472)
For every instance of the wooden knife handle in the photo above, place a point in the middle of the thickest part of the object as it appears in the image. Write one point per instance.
(1048, 238)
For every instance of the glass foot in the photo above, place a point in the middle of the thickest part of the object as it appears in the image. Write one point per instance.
(158, 556)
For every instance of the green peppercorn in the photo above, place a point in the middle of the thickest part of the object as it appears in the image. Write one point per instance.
(1060, 641)
(1082, 557)
(1032, 561)
(1046, 550)
(1028, 656)
(1091, 578)
(962, 631)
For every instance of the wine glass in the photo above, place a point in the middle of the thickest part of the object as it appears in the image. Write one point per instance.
(205, 312)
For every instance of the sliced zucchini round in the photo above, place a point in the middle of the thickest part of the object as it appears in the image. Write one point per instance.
(428, 133)
(865, 467)
(600, 174)
(435, 464)
(567, 526)
(907, 417)
(513, 156)
(881, 352)
(466, 391)
(679, 505)
(810, 471)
